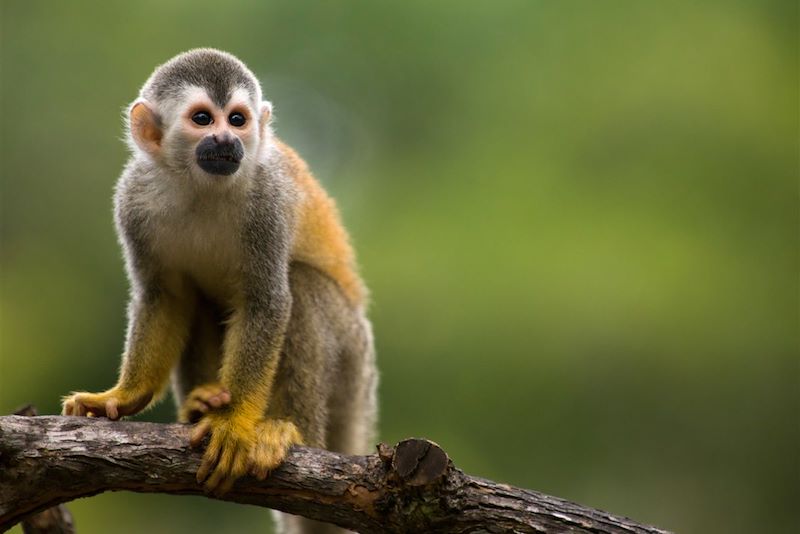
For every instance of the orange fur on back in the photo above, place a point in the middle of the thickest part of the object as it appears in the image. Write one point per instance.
(320, 239)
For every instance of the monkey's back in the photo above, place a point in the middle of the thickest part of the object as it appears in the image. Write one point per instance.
(320, 238)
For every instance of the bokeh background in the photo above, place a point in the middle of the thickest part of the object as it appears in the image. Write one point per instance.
(578, 220)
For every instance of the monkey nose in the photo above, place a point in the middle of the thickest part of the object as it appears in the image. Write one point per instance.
(223, 138)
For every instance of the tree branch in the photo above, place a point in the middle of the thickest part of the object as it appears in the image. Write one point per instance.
(412, 487)
(55, 520)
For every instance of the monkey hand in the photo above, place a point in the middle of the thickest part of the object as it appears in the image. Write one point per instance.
(273, 439)
(114, 403)
(233, 437)
(239, 447)
(202, 400)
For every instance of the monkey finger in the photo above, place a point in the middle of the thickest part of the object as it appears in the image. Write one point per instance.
(261, 472)
(199, 432)
(78, 408)
(219, 474)
(205, 468)
(231, 466)
(111, 408)
(211, 459)
(225, 486)
(69, 407)
(82, 403)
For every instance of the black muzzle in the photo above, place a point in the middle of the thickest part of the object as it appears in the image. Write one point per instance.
(219, 157)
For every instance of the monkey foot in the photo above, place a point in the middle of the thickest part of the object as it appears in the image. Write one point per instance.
(203, 399)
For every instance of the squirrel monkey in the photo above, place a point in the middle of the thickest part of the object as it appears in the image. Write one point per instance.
(244, 288)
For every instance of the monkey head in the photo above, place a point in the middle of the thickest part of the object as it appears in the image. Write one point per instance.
(200, 114)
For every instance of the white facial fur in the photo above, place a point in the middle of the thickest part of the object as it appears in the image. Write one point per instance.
(180, 136)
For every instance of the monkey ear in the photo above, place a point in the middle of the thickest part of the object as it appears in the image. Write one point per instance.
(266, 113)
(145, 127)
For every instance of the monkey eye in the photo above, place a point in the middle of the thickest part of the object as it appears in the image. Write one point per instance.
(237, 119)
(202, 118)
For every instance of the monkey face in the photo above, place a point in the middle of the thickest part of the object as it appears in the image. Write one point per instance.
(219, 135)
(191, 132)
(201, 114)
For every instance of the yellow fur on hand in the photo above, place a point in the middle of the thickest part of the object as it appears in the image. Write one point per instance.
(114, 403)
(239, 446)
(273, 439)
(233, 436)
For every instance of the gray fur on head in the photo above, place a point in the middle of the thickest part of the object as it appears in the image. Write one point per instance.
(219, 73)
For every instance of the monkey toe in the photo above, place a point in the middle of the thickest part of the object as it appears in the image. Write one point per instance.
(193, 410)
(69, 408)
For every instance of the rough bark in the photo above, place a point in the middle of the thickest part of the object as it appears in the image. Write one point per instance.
(411, 487)
(55, 520)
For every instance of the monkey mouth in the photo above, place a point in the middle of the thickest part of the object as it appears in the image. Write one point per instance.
(219, 158)
(222, 165)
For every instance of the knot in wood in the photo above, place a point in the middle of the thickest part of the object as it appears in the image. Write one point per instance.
(419, 462)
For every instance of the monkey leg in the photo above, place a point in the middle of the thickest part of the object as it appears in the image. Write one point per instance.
(353, 404)
(324, 381)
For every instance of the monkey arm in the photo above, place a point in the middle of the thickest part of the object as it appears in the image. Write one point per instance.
(251, 352)
(241, 439)
(157, 334)
(255, 332)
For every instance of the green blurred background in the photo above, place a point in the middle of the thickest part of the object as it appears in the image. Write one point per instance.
(578, 220)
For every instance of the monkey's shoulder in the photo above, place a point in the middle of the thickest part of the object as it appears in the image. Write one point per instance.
(320, 238)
